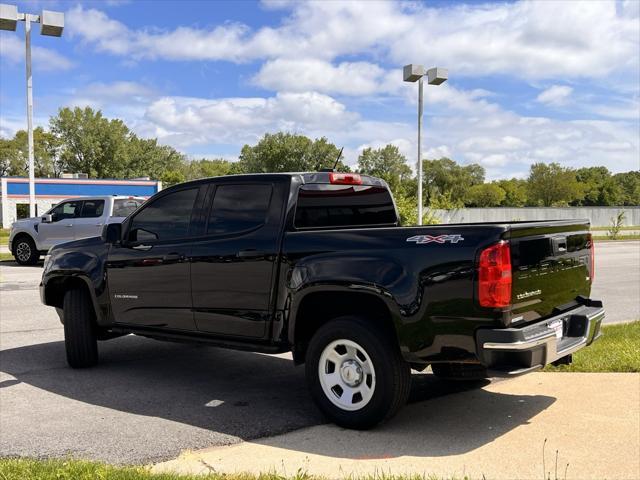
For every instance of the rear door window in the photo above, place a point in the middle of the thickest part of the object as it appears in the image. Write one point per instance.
(237, 208)
(323, 206)
(92, 208)
(123, 207)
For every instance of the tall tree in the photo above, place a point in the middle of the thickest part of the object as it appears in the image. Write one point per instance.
(515, 191)
(446, 182)
(145, 158)
(289, 152)
(629, 185)
(552, 185)
(210, 168)
(386, 163)
(485, 195)
(46, 155)
(598, 186)
(91, 143)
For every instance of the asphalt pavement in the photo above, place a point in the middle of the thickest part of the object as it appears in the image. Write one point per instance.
(148, 401)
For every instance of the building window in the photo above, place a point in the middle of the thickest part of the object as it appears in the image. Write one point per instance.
(22, 211)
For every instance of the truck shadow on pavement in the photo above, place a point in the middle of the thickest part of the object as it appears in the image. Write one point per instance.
(233, 395)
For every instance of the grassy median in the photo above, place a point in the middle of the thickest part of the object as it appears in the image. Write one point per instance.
(28, 469)
(617, 350)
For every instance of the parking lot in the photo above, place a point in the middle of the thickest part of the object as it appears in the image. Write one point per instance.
(150, 400)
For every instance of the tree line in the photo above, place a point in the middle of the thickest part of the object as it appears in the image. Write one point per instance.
(83, 140)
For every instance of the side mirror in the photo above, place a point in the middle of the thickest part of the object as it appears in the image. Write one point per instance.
(112, 233)
(48, 218)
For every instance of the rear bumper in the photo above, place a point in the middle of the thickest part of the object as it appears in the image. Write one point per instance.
(515, 351)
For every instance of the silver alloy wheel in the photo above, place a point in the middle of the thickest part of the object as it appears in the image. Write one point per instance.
(23, 251)
(346, 374)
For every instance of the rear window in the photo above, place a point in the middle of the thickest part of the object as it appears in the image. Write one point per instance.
(125, 206)
(343, 205)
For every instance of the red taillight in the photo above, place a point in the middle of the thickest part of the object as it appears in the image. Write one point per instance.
(592, 272)
(494, 276)
(345, 178)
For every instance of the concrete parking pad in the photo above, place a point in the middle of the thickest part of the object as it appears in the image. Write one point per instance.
(498, 432)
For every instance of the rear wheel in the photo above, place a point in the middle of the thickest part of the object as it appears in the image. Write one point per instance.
(80, 337)
(25, 251)
(459, 371)
(356, 374)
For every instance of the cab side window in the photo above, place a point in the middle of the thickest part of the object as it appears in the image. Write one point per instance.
(238, 208)
(166, 218)
(92, 208)
(66, 210)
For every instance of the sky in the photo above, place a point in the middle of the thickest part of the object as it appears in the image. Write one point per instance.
(529, 81)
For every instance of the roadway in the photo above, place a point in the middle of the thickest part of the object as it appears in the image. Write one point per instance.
(149, 400)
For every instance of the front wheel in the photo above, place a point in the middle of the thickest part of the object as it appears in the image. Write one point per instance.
(80, 339)
(356, 374)
(25, 251)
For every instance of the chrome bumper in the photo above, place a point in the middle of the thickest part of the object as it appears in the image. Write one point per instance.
(515, 351)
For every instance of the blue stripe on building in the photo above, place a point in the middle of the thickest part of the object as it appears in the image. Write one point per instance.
(80, 189)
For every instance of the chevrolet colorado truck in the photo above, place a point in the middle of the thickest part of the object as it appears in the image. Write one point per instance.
(317, 264)
(71, 219)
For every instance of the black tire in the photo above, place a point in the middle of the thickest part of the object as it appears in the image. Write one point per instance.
(471, 372)
(392, 374)
(80, 339)
(24, 251)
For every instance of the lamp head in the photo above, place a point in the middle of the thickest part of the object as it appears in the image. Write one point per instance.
(436, 75)
(51, 23)
(8, 17)
(412, 72)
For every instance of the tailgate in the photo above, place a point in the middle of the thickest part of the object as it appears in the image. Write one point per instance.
(551, 267)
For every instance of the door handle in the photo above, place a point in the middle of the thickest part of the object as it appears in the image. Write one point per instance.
(172, 257)
(69, 225)
(141, 247)
(250, 253)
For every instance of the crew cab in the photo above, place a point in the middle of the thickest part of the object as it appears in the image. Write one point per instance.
(317, 264)
(71, 219)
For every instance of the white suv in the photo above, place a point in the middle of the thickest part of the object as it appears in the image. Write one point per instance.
(71, 219)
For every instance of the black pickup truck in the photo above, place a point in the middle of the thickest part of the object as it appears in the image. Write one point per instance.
(317, 264)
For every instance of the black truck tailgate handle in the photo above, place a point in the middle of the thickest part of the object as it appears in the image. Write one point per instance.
(250, 253)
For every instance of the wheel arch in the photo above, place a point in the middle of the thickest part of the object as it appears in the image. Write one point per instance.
(319, 307)
(56, 287)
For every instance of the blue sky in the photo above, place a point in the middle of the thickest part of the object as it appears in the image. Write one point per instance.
(528, 81)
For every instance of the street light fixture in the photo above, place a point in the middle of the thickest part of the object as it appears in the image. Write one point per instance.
(435, 76)
(51, 24)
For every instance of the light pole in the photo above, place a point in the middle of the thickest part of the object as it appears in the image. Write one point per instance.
(435, 76)
(51, 24)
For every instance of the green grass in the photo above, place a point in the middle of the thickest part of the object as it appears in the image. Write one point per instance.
(617, 350)
(5, 257)
(29, 469)
(604, 238)
(4, 236)
(629, 227)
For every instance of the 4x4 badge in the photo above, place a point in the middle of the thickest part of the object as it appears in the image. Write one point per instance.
(422, 239)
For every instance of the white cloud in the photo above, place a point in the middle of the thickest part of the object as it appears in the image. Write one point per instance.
(187, 121)
(43, 59)
(555, 95)
(524, 39)
(300, 75)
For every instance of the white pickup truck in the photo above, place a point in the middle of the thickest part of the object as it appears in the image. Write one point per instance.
(71, 219)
